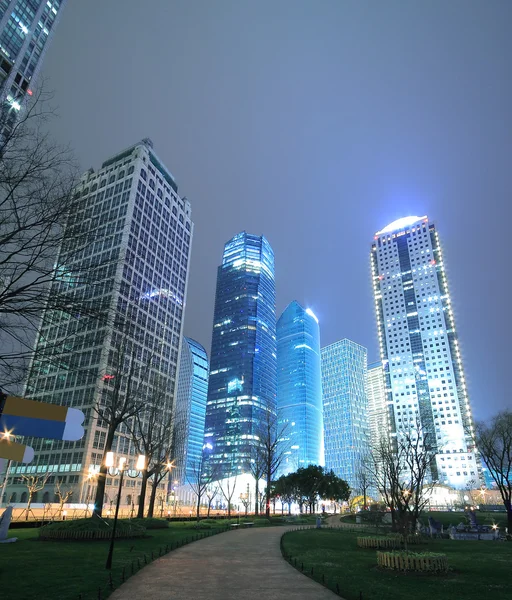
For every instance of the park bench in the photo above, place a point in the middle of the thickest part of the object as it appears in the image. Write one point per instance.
(248, 524)
(234, 525)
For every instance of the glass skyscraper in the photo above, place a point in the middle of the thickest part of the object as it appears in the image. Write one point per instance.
(299, 387)
(346, 432)
(243, 370)
(26, 27)
(190, 410)
(419, 346)
(139, 251)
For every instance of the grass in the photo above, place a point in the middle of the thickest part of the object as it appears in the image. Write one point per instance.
(479, 569)
(35, 570)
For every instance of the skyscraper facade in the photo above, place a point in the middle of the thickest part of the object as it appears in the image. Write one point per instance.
(139, 250)
(299, 387)
(378, 415)
(190, 410)
(346, 433)
(419, 346)
(26, 27)
(243, 370)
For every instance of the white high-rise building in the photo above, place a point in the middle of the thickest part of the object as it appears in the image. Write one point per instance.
(378, 419)
(135, 239)
(419, 346)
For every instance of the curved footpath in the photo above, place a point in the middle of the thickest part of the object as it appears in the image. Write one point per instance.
(245, 564)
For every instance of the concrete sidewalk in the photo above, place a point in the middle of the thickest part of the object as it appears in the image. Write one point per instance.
(245, 564)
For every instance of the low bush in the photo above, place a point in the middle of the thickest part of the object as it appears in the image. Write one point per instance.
(151, 523)
(93, 528)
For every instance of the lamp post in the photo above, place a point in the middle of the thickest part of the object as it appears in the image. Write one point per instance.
(109, 462)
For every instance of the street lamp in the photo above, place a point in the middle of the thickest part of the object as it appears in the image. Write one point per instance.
(109, 462)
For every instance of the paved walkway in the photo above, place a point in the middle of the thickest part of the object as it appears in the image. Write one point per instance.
(245, 564)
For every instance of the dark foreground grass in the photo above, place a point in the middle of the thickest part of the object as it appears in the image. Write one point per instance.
(31, 569)
(479, 569)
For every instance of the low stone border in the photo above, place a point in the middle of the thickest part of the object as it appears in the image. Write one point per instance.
(411, 561)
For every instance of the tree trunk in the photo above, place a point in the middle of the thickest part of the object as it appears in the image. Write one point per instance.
(142, 497)
(29, 502)
(102, 475)
(257, 490)
(509, 518)
(152, 497)
(267, 494)
(198, 507)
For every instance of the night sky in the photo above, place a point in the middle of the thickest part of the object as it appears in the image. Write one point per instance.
(315, 123)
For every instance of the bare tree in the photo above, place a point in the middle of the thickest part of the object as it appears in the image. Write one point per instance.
(257, 466)
(211, 493)
(270, 451)
(152, 436)
(494, 441)
(62, 495)
(227, 488)
(34, 483)
(121, 397)
(199, 478)
(363, 477)
(40, 244)
(402, 469)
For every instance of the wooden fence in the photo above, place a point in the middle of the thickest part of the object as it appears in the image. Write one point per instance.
(402, 561)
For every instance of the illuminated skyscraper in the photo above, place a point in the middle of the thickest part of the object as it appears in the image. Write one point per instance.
(190, 410)
(139, 252)
(378, 413)
(299, 387)
(26, 27)
(419, 346)
(242, 383)
(346, 433)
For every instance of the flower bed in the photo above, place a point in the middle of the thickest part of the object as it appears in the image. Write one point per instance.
(413, 561)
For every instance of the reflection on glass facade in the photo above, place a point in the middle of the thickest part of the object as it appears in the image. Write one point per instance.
(190, 410)
(419, 346)
(26, 27)
(378, 419)
(137, 256)
(346, 433)
(242, 382)
(299, 387)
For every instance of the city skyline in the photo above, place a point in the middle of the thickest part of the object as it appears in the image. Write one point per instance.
(316, 129)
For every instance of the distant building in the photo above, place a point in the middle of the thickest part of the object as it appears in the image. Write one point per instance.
(299, 387)
(140, 253)
(26, 27)
(190, 411)
(243, 371)
(419, 346)
(346, 432)
(378, 419)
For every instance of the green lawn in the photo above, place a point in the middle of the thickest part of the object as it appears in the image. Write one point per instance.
(34, 570)
(480, 569)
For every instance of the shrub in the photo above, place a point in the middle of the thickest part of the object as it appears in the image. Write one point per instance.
(151, 523)
(90, 529)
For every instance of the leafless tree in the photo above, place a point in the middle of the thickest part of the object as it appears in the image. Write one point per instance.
(494, 441)
(200, 478)
(122, 396)
(40, 244)
(363, 477)
(152, 436)
(257, 465)
(211, 493)
(34, 483)
(227, 488)
(63, 495)
(270, 450)
(402, 469)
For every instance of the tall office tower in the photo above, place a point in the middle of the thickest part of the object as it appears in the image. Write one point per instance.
(190, 410)
(419, 346)
(138, 251)
(378, 415)
(26, 27)
(242, 383)
(346, 433)
(299, 387)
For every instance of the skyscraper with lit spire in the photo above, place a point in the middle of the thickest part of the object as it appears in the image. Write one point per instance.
(242, 382)
(419, 346)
